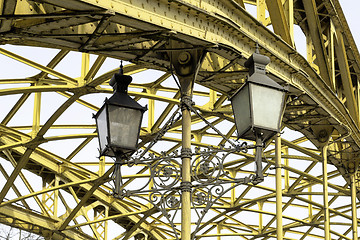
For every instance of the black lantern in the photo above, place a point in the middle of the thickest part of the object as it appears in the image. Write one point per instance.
(258, 105)
(118, 121)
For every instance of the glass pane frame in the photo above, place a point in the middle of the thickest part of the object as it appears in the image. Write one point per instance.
(265, 107)
(248, 125)
(108, 143)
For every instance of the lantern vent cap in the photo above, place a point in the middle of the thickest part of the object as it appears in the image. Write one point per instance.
(257, 74)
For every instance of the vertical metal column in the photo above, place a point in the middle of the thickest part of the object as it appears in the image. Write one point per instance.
(353, 207)
(325, 193)
(186, 174)
(186, 64)
(279, 226)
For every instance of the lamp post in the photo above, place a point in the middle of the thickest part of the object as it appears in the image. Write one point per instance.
(257, 107)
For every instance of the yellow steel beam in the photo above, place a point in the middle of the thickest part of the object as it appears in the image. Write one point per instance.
(279, 225)
(315, 31)
(325, 194)
(54, 62)
(36, 114)
(279, 21)
(37, 220)
(25, 181)
(62, 186)
(66, 79)
(15, 108)
(25, 157)
(354, 207)
(23, 161)
(15, 189)
(351, 102)
(316, 92)
(84, 213)
(7, 8)
(163, 115)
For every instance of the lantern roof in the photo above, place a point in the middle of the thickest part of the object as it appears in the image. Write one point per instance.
(257, 74)
(122, 99)
(120, 83)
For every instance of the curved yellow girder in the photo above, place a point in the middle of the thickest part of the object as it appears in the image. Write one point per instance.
(54, 184)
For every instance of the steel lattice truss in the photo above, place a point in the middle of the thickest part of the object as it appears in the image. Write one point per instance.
(52, 181)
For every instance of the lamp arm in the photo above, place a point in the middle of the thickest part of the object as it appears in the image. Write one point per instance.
(259, 177)
(117, 178)
(208, 123)
(174, 118)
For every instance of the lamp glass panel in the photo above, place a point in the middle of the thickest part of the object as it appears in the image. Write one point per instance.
(124, 126)
(266, 106)
(102, 129)
(241, 108)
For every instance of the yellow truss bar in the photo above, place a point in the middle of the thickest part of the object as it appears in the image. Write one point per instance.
(351, 102)
(279, 21)
(315, 31)
(62, 186)
(33, 64)
(41, 221)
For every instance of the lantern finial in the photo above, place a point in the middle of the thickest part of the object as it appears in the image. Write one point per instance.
(121, 68)
(119, 81)
(257, 62)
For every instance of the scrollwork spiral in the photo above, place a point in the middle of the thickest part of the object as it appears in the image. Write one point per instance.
(165, 174)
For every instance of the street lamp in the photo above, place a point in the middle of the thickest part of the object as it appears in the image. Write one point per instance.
(118, 121)
(258, 106)
(177, 182)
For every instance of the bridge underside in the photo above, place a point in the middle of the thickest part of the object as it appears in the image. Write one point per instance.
(58, 57)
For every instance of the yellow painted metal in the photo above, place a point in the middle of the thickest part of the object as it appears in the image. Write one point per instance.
(36, 116)
(316, 36)
(354, 207)
(345, 75)
(286, 172)
(68, 80)
(289, 15)
(102, 213)
(261, 7)
(186, 167)
(331, 52)
(326, 212)
(260, 206)
(151, 109)
(310, 207)
(279, 225)
(279, 21)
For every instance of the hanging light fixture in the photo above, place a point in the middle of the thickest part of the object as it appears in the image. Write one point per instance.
(258, 107)
(118, 121)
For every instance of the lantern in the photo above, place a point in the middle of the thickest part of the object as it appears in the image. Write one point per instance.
(118, 121)
(258, 105)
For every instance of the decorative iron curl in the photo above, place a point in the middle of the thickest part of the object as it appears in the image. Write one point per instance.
(205, 169)
(166, 202)
(203, 197)
(165, 173)
(208, 166)
(169, 204)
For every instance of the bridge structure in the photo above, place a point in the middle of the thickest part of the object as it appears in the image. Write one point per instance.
(57, 58)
